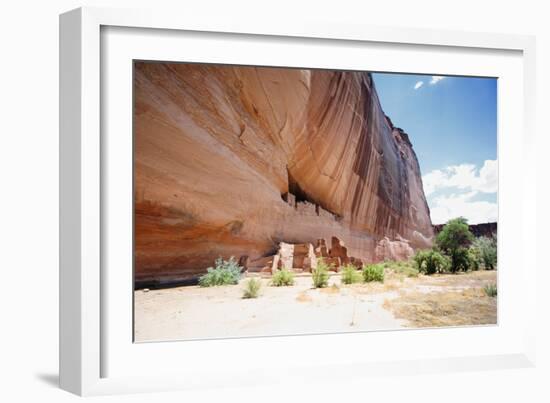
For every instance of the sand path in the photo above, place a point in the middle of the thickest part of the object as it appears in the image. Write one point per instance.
(219, 312)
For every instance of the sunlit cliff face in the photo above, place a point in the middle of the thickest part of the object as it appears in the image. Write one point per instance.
(232, 160)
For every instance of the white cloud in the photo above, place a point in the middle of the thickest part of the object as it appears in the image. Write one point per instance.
(466, 182)
(436, 79)
(433, 180)
(444, 208)
(464, 177)
(489, 176)
(418, 84)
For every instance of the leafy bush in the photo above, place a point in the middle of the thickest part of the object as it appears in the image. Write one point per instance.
(419, 260)
(373, 272)
(388, 264)
(225, 272)
(487, 250)
(431, 262)
(454, 240)
(490, 290)
(282, 277)
(320, 275)
(252, 288)
(406, 268)
(461, 259)
(350, 274)
(475, 258)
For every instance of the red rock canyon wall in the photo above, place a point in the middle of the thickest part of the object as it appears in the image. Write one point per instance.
(231, 161)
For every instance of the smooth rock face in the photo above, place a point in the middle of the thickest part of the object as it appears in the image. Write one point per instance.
(230, 161)
(393, 250)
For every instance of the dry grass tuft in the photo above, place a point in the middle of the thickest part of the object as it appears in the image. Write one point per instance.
(333, 289)
(468, 307)
(472, 279)
(390, 284)
(304, 297)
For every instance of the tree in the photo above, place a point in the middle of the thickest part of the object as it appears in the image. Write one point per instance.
(454, 240)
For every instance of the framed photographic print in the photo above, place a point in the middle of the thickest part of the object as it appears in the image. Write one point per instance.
(236, 197)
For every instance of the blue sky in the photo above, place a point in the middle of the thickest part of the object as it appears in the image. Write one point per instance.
(452, 124)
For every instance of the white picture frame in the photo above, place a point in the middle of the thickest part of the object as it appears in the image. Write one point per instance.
(92, 345)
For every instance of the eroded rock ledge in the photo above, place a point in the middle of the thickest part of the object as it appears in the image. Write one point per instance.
(231, 161)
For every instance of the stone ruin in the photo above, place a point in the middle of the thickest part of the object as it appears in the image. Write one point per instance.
(303, 257)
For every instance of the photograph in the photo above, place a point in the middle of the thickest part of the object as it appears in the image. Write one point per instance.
(281, 201)
(234, 201)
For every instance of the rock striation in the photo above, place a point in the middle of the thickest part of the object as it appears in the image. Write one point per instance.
(232, 161)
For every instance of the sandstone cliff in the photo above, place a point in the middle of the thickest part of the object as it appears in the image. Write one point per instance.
(233, 160)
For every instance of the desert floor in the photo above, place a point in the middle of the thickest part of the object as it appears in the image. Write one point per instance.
(193, 312)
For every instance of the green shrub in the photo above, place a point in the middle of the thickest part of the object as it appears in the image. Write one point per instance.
(373, 272)
(282, 277)
(406, 268)
(461, 260)
(419, 260)
(490, 290)
(320, 275)
(475, 258)
(225, 272)
(487, 250)
(252, 288)
(431, 262)
(454, 240)
(350, 274)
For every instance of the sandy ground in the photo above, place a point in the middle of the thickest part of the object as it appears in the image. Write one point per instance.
(218, 312)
